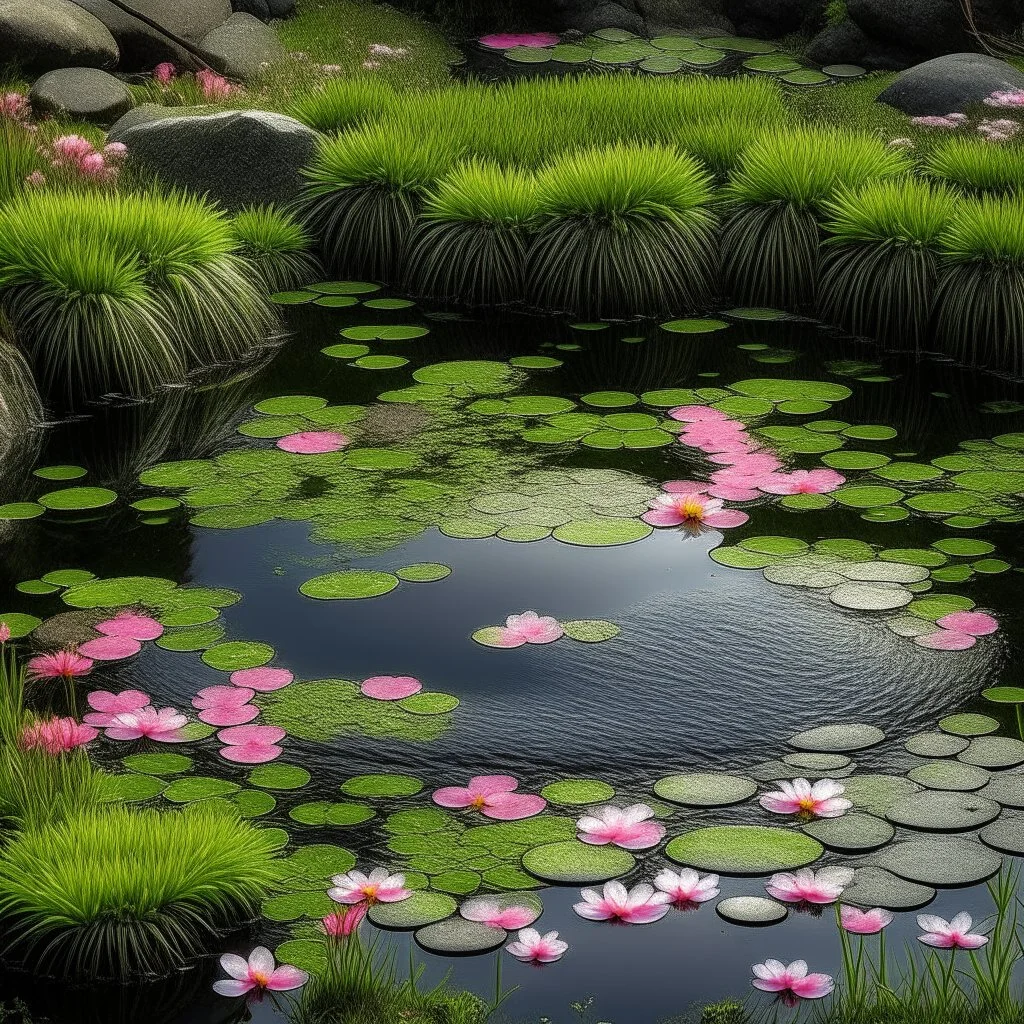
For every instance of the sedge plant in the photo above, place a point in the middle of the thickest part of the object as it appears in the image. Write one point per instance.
(623, 229)
(344, 103)
(470, 246)
(976, 165)
(880, 262)
(277, 246)
(773, 201)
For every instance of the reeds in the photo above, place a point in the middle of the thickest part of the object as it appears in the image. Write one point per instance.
(977, 165)
(277, 247)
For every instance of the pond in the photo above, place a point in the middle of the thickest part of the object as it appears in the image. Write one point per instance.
(521, 454)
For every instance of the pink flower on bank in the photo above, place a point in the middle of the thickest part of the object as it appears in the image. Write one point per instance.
(5, 632)
(492, 796)
(258, 974)
(864, 922)
(163, 726)
(803, 481)
(57, 735)
(379, 886)
(939, 121)
(164, 73)
(107, 706)
(36, 179)
(823, 799)
(59, 665)
(955, 934)
(14, 105)
(627, 827)
(792, 983)
(639, 905)
(532, 947)
(529, 628)
(692, 511)
(72, 147)
(488, 912)
(806, 886)
(344, 921)
(1006, 98)
(687, 887)
(213, 86)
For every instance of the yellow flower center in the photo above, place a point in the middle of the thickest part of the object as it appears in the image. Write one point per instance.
(692, 508)
(260, 978)
(479, 802)
(370, 892)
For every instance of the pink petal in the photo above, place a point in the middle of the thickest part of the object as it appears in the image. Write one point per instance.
(123, 733)
(452, 796)
(222, 697)
(262, 679)
(117, 703)
(110, 648)
(286, 978)
(251, 753)
(646, 913)
(138, 627)
(662, 517)
(513, 806)
(390, 687)
(488, 785)
(221, 716)
(732, 492)
(696, 413)
(233, 989)
(726, 518)
(313, 442)
(245, 734)
(507, 638)
(814, 986)
(946, 640)
(684, 487)
(974, 623)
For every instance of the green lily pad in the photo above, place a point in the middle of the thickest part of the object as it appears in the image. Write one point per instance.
(968, 725)
(602, 532)
(661, 64)
(994, 752)
(350, 584)
(197, 787)
(77, 499)
(610, 399)
(875, 887)
(420, 909)
(694, 326)
(295, 298)
(130, 788)
(1004, 694)
(21, 510)
(432, 703)
(155, 504)
(575, 863)
(285, 405)
(528, 54)
(875, 794)
(854, 460)
(705, 789)
(324, 812)
(966, 547)
(577, 791)
(751, 910)
(345, 351)
(423, 572)
(744, 849)
(949, 775)
(937, 861)
(238, 654)
(774, 63)
(936, 744)
(380, 362)
(36, 587)
(191, 639)
(279, 776)
(371, 786)
(336, 301)
(590, 631)
(867, 495)
(851, 833)
(939, 605)
(535, 362)
(64, 472)
(779, 390)
(384, 332)
(838, 738)
(158, 764)
(569, 53)
(806, 76)
(455, 935)
(344, 287)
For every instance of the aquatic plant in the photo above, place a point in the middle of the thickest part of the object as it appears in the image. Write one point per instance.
(642, 904)
(804, 885)
(792, 982)
(529, 628)
(880, 265)
(365, 193)
(470, 247)
(692, 510)
(493, 796)
(623, 229)
(532, 947)
(257, 974)
(687, 887)
(626, 827)
(977, 165)
(821, 799)
(955, 934)
(864, 922)
(118, 893)
(379, 886)
(771, 235)
(125, 291)
(979, 299)
(277, 246)
(489, 912)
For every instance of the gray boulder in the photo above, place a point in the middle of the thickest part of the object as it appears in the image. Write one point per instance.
(82, 94)
(242, 47)
(237, 157)
(771, 18)
(142, 46)
(951, 83)
(701, 16)
(265, 9)
(844, 42)
(40, 35)
(591, 17)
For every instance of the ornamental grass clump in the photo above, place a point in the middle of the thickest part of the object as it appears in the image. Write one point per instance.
(979, 299)
(365, 192)
(110, 291)
(470, 246)
(123, 893)
(623, 229)
(977, 165)
(773, 200)
(880, 265)
(277, 247)
(344, 103)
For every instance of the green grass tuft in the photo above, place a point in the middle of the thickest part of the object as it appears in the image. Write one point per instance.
(978, 165)
(344, 103)
(277, 246)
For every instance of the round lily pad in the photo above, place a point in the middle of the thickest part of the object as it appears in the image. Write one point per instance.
(155, 504)
(420, 909)
(705, 789)
(939, 861)
(950, 775)
(279, 776)
(854, 460)
(844, 70)
(384, 332)
(838, 738)
(430, 703)
(21, 510)
(457, 936)
(966, 547)
(191, 639)
(853, 832)
(68, 577)
(370, 786)
(295, 905)
(535, 362)
(238, 654)
(345, 351)
(805, 76)
(602, 532)
(1005, 836)
(968, 725)
(936, 744)
(36, 587)
(577, 791)
(158, 764)
(344, 287)
(1004, 694)
(875, 597)
(1005, 788)
(60, 472)
(131, 787)
(751, 910)
(575, 863)
(287, 404)
(943, 811)
(744, 849)
(528, 54)
(324, 812)
(702, 56)
(884, 572)
(610, 399)
(423, 572)
(253, 803)
(590, 631)
(296, 298)
(77, 499)
(380, 362)
(694, 326)
(876, 887)
(661, 64)
(198, 787)
(779, 390)
(875, 794)
(336, 301)
(994, 752)
(349, 584)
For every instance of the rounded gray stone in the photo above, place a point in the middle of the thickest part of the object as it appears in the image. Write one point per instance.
(951, 775)
(751, 910)
(876, 887)
(994, 752)
(937, 810)
(948, 83)
(936, 744)
(81, 94)
(852, 832)
(41, 35)
(242, 48)
(838, 739)
(939, 861)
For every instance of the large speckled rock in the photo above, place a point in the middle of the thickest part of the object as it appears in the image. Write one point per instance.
(238, 157)
(242, 47)
(81, 94)
(40, 35)
(949, 84)
(703, 16)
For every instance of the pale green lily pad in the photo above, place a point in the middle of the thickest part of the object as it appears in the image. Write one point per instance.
(936, 744)
(875, 794)
(694, 326)
(852, 832)
(968, 725)
(35, 587)
(602, 532)
(854, 460)
(610, 399)
(705, 789)
(423, 572)
(420, 909)
(253, 803)
(158, 764)
(279, 776)
(308, 955)
(64, 472)
(286, 405)
(238, 654)
(939, 605)
(68, 577)
(197, 787)
(455, 936)
(350, 584)
(1005, 836)
(16, 510)
(296, 298)
(324, 812)
(590, 631)
(838, 738)
(380, 362)
(966, 547)
(381, 786)
(78, 499)
(776, 64)
(345, 351)
(779, 390)
(949, 775)
(190, 639)
(574, 863)
(130, 787)
(867, 495)
(806, 76)
(577, 791)
(994, 752)
(432, 703)
(876, 887)
(938, 861)
(344, 287)
(744, 849)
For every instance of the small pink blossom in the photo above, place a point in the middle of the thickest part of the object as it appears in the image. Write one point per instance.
(213, 86)
(792, 983)
(626, 827)
(1006, 98)
(163, 726)
(341, 923)
(36, 179)
(488, 912)
(72, 147)
(803, 481)
(864, 922)
(532, 947)
(806, 886)
(492, 796)
(57, 735)
(164, 73)
(823, 799)
(946, 640)
(14, 105)
(379, 886)
(939, 121)
(59, 665)
(116, 151)
(258, 974)
(5, 632)
(529, 628)
(639, 905)
(687, 887)
(692, 511)
(390, 687)
(955, 934)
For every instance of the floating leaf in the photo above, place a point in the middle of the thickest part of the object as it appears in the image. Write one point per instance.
(349, 584)
(75, 499)
(238, 654)
(744, 849)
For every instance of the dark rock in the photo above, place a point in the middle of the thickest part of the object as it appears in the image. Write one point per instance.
(143, 47)
(951, 83)
(40, 35)
(257, 8)
(771, 18)
(697, 16)
(238, 157)
(606, 15)
(242, 47)
(81, 94)
(281, 8)
(844, 42)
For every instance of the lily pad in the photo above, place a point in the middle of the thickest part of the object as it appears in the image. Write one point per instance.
(432, 703)
(939, 862)
(968, 725)
(610, 399)
(16, 510)
(324, 812)
(876, 597)
(575, 863)
(602, 532)
(577, 792)
(838, 738)
(78, 499)
(936, 744)
(350, 584)
(65, 472)
(344, 287)
(197, 787)
(420, 909)
(380, 786)
(744, 849)
(876, 887)
(590, 631)
(751, 910)
(423, 572)
(1005, 836)
(875, 794)
(456, 936)
(943, 811)
(238, 654)
(853, 832)
(949, 775)
(1005, 788)
(279, 776)
(158, 764)
(994, 752)
(694, 326)
(705, 789)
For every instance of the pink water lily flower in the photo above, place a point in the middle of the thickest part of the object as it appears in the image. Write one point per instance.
(258, 974)
(379, 886)
(792, 983)
(687, 887)
(313, 442)
(57, 735)
(823, 799)
(492, 796)
(693, 511)
(107, 706)
(806, 886)
(163, 726)
(223, 697)
(390, 687)
(341, 923)
(138, 627)
(803, 481)
(627, 827)
(529, 628)
(488, 912)
(59, 665)
(165, 72)
(865, 922)
(532, 947)
(639, 905)
(955, 934)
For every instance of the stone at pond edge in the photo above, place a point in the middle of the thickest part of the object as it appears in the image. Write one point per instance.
(705, 789)
(876, 887)
(853, 832)
(41, 35)
(575, 863)
(939, 810)
(838, 738)
(948, 83)
(80, 94)
(751, 910)
(456, 936)
(938, 861)
(744, 849)
(242, 47)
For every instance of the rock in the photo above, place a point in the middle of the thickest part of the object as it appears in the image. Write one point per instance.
(606, 15)
(844, 42)
(257, 8)
(142, 46)
(81, 94)
(238, 157)
(770, 18)
(951, 83)
(242, 47)
(697, 16)
(41, 35)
